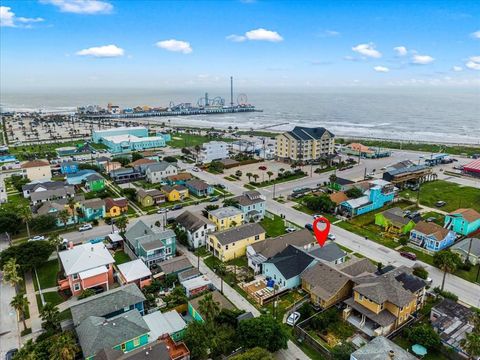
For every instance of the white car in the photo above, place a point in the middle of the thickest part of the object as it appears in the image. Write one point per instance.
(293, 318)
(37, 238)
(85, 227)
(290, 229)
(317, 216)
(331, 237)
(161, 211)
(195, 169)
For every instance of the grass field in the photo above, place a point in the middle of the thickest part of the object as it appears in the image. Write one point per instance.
(273, 227)
(456, 196)
(120, 257)
(47, 275)
(189, 140)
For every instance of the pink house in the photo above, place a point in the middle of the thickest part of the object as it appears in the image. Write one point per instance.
(134, 271)
(86, 266)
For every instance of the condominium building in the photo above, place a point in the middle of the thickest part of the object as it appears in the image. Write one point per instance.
(213, 150)
(305, 144)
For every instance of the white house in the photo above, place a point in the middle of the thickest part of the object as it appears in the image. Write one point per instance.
(196, 227)
(37, 170)
(157, 172)
(213, 150)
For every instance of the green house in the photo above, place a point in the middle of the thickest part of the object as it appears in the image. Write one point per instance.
(169, 322)
(222, 302)
(393, 221)
(94, 182)
(125, 332)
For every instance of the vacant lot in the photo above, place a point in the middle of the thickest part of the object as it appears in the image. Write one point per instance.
(189, 140)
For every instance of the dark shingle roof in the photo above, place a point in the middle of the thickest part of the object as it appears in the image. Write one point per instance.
(248, 198)
(175, 264)
(197, 184)
(291, 262)
(329, 252)
(272, 246)
(223, 302)
(357, 266)
(325, 280)
(306, 133)
(228, 236)
(191, 222)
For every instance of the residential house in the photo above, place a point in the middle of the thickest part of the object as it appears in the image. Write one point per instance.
(157, 172)
(86, 266)
(338, 198)
(197, 228)
(341, 184)
(79, 177)
(232, 243)
(213, 150)
(394, 221)
(107, 165)
(189, 274)
(150, 243)
(109, 303)
(39, 192)
(304, 144)
(194, 304)
(452, 321)
(468, 248)
(37, 170)
(285, 268)
(199, 188)
(115, 207)
(226, 217)
(69, 167)
(179, 179)
(125, 175)
(152, 155)
(330, 253)
(167, 323)
(94, 182)
(91, 209)
(134, 272)
(124, 332)
(378, 194)
(150, 197)
(380, 304)
(196, 285)
(142, 164)
(175, 192)
(261, 251)
(175, 265)
(357, 267)
(408, 173)
(431, 236)
(380, 348)
(463, 221)
(53, 208)
(252, 204)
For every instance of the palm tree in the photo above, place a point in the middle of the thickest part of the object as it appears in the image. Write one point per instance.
(63, 216)
(220, 269)
(471, 344)
(10, 272)
(71, 204)
(238, 173)
(19, 303)
(447, 262)
(249, 175)
(269, 174)
(209, 308)
(63, 347)
(255, 177)
(26, 215)
(51, 317)
(122, 223)
(332, 178)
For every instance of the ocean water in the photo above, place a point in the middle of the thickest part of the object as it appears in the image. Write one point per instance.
(447, 115)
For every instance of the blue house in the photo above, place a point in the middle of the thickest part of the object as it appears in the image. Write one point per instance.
(463, 221)
(378, 193)
(431, 236)
(92, 209)
(80, 176)
(199, 187)
(285, 268)
(252, 204)
(69, 167)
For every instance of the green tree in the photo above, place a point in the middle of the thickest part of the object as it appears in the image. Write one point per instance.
(230, 202)
(28, 352)
(342, 351)
(197, 340)
(238, 173)
(10, 272)
(136, 156)
(269, 174)
(25, 214)
(332, 178)
(86, 293)
(176, 297)
(209, 308)
(264, 332)
(28, 255)
(43, 223)
(71, 205)
(255, 177)
(421, 272)
(50, 316)
(197, 151)
(64, 216)
(122, 223)
(319, 203)
(249, 175)
(447, 262)
(63, 347)
(256, 353)
(471, 344)
(20, 303)
(424, 334)
(354, 193)
(130, 193)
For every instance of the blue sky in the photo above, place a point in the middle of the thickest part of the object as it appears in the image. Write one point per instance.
(80, 43)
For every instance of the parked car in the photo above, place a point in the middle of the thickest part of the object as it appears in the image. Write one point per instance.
(213, 199)
(317, 216)
(177, 207)
(293, 318)
(431, 219)
(85, 227)
(331, 237)
(440, 203)
(195, 169)
(37, 238)
(221, 186)
(290, 229)
(11, 354)
(309, 227)
(161, 211)
(408, 255)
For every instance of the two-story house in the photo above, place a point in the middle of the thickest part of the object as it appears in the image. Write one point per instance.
(252, 204)
(431, 236)
(69, 167)
(37, 170)
(232, 243)
(156, 173)
(91, 209)
(86, 266)
(39, 192)
(378, 194)
(196, 227)
(463, 221)
(150, 243)
(115, 207)
(134, 272)
(79, 177)
(150, 197)
(226, 217)
(179, 179)
(94, 182)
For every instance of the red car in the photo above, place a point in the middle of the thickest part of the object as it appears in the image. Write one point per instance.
(408, 255)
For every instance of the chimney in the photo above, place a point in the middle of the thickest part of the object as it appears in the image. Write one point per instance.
(391, 354)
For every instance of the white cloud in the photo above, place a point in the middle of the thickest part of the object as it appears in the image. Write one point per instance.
(381, 69)
(401, 50)
(175, 46)
(422, 59)
(473, 63)
(475, 59)
(89, 7)
(105, 51)
(329, 33)
(457, 68)
(236, 38)
(475, 35)
(263, 35)
(367, 50)
(8, 18)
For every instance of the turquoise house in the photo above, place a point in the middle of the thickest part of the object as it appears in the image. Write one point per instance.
(284, 269)
(194, 304)
(379, 193)
(92, 209)
(252, 204)
(79, 177)
(463, 221)
(69, 167)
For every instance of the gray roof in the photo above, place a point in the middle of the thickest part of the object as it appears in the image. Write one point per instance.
(291, 262)
(51, 194)
(188, 274)
(408, 169)
(249, 198)
(223, 302)
(106, 303)
(192, 222)
(225, 212)
(272, 246)
(395, 215)
(329, 252)
(325, 280)
(150, 237)
(229, 236)
(94, 177)
(156, 350)
(464, 245)
(197, 184)
(357, 266)
(306, 133)
(49, 185)
(96, 333)
(93, 203)
(379, 348)
(158, 166)
(175, 264)
(383, 318)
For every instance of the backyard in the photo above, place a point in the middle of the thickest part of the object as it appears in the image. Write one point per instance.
(47, 275)
(120, 257)
(273, 227)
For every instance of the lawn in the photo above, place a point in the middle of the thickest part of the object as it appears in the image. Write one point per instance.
(456, 196)
(369, 232)
(120, 257)
(47, 275)
(404, 343)
(52, 297)
(273, 227)
(306, 210)
(189, 140)
(439, 218)
(278, 181)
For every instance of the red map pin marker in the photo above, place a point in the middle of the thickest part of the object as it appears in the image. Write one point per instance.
(321, 235)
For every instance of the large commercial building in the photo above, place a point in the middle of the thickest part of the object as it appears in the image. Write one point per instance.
(126, 139)
(305, 144)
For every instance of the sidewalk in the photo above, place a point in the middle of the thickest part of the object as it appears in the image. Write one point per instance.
(35, 321)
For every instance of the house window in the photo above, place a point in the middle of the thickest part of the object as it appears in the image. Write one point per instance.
(76, 286)
(226, 247)
(257, 237)
(168, 250)
(126, 308)
(74, 276)
(136, 342)
(124, 346)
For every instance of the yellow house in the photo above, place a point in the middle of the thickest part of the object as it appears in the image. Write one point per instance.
(115, 207)
(226, 217)
(37, 170)
(175, 193)
(232, 243)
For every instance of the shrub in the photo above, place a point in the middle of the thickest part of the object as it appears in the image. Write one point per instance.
(86, 293)
(421, 272)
